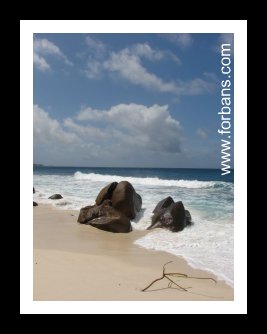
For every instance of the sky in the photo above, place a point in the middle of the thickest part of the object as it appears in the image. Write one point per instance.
(127, 100)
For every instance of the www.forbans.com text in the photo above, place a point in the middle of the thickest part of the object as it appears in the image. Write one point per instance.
(225, 110)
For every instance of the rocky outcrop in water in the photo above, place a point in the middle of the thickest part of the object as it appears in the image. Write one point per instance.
(116, 204)
(170, 215)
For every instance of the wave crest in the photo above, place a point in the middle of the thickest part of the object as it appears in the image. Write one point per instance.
(147, 181)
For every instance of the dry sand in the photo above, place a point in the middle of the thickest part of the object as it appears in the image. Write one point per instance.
(79, 262)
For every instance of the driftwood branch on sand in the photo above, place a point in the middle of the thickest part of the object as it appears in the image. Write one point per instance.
(171, 276)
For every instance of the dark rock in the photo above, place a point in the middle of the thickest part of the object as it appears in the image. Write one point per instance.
(91, 212)
(137, 202)
(106, 193)
(172, 218)
(116, 204)
(188, 218)
(116, 223)
(177, 212)
(55, 196)
(165, 203)
(33, 190)
(87, 213)
(35, 204)
(126, 200)
(105, 217)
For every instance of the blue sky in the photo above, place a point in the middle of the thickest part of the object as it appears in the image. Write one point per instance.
(127, 100)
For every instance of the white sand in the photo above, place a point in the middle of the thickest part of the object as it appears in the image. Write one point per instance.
(79, 262)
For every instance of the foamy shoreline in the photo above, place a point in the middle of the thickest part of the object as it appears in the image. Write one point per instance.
(207, 245)
(78, 262)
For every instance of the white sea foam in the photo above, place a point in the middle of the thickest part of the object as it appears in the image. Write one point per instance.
(205, 245)
(208, 244)
(147, 181)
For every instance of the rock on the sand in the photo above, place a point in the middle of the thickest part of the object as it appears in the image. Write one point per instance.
(55, 196)
(91, 212)
(117, 223)
(105, 217)
(35, 204)
(116, 204)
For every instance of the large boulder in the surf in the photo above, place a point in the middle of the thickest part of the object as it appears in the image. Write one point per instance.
(106, 193)
(138, 202)
(33, 190)
(55, 196)
(105, 217)
(173, 218)
(163, 204)
(188, 218)
(126, 200)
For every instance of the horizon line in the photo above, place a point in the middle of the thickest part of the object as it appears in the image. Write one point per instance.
(56, 166)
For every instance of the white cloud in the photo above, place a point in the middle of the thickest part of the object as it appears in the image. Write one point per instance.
(182, 40)
(43, 47)
(47, 130)
(145, 50)
(96, 46)
(202, 133)
(120, 135)
(136, 126)
(124, 135)
(128, 65)
(40, 63)
(93, 69)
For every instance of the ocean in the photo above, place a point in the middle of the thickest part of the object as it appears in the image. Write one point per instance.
(208, 244)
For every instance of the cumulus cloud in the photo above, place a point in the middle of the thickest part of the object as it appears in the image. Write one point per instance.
(181, 40)
(48, 130)
(202, 133)
(43, 47)
(135, 125)
(125, 131)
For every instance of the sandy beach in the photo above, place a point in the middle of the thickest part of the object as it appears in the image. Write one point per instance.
(79, 262)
